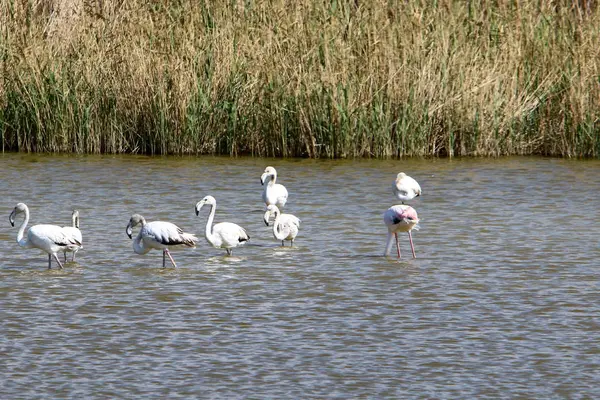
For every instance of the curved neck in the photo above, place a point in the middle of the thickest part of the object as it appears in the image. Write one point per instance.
(23, 242)
(272, 180)
(75, 219)
(138, 244)
(209, 221)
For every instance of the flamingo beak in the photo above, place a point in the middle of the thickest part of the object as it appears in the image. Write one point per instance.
(199, 207)
(128, 230)
(11, 218)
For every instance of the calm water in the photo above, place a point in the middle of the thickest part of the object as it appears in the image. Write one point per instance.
(503, 300)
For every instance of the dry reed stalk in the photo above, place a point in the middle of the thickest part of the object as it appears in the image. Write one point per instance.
(279, 78)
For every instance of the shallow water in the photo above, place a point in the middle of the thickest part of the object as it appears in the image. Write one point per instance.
(503, 300)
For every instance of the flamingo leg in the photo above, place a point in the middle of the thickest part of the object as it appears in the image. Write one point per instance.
(229, 252)
(49, 261)
(397, 245)
(57, 260)
(164, 265)
(412, 247)
(167, 252)
(65, 253)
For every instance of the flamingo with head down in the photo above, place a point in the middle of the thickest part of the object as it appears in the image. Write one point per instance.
(400, 218)
(159, 235)
(285, 226)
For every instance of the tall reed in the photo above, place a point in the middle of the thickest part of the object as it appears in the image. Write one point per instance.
(318, 79)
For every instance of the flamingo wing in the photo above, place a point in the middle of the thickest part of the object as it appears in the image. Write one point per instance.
(231, 234)
(166, 233)
(43, 234)
(290, 219)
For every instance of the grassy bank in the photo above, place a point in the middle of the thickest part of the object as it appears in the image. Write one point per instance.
(284, 78)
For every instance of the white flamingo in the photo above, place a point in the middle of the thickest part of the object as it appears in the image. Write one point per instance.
(159, 235)
(406, 188)
(400, 218)
(224, 235)
(73, 232)
(274, 193)
(285, 226)
(49, 238)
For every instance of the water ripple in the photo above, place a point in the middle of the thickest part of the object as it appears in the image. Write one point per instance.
(502, 301)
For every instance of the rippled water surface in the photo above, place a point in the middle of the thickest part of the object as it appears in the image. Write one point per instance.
(503, 300)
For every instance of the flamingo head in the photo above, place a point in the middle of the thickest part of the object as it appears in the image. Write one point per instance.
(271, 210)
(207, 200)
(269, 173)
(135, 220)
(19, 208)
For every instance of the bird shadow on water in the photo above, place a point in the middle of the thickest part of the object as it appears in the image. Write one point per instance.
(67, 271)
(157, 271)
(225, 260)
(379, 259)
(285, 249)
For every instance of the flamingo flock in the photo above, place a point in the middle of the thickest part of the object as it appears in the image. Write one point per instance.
(162, 235)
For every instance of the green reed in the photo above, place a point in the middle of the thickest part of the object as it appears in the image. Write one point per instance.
(326, 79)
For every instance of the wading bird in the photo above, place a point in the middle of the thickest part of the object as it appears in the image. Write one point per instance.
(224, 235)
(400, 218)
(406, 188)
(73, 232)
(285, 226)
(274, 193)
(49, 238)
(158, 235)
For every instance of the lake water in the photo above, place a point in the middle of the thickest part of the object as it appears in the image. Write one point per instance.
(503, 300)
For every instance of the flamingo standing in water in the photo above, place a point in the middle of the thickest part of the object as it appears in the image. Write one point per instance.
(73, 232)
(400, 218)
(285, 226)
(274, 193)
(406, 188)
(159, 235)
(224, 235)
(49, 238)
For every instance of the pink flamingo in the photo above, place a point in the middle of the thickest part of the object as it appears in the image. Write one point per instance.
(400, 218)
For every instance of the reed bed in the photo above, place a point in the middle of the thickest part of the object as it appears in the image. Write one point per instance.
(313, 79)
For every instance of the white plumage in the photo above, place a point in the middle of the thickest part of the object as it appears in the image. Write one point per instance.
(406, 188)
(285, 226)
(49, 238)
(158, 235)
(224, 235)
(73, 232)
(274, 193)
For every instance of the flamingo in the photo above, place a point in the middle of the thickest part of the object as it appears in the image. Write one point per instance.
(224, 235)
(285, 226)
(159, 235)
(49, 238)
(406, 188)
(73, 232)
(400, 218)
(274, 193)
